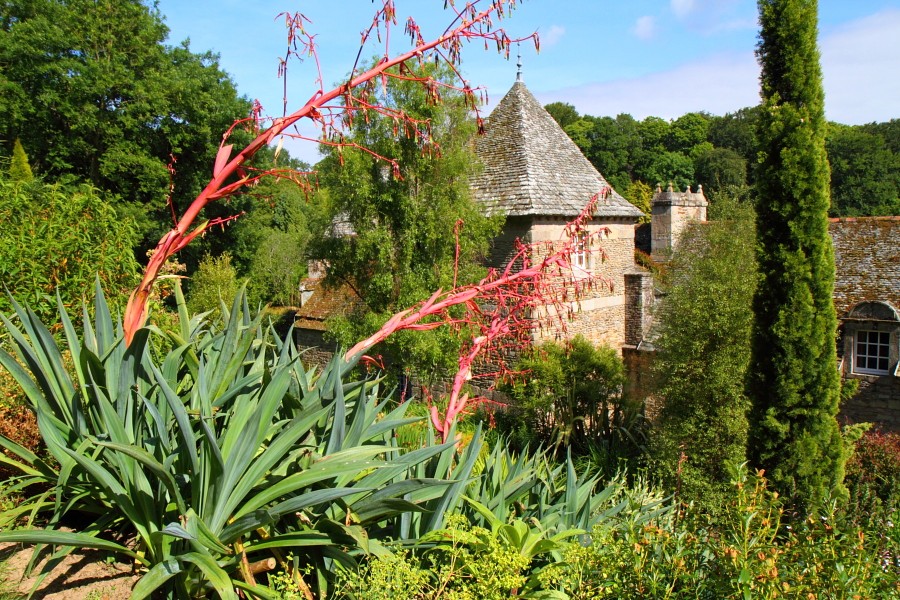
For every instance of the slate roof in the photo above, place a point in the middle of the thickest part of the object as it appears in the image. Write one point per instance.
(324, 303)
(532, 168)
(867, 261)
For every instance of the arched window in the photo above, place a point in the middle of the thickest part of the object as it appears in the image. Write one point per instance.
(874, 327)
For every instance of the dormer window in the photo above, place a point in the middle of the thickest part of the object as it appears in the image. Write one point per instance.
(872, 356)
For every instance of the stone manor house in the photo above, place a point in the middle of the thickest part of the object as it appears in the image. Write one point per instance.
(538, 177)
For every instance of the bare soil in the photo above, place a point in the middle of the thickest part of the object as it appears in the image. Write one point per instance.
(82, 575)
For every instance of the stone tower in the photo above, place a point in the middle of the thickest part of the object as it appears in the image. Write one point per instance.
(672, 211)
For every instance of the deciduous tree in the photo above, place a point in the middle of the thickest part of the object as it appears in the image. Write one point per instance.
(703, 351)
(93, 92)
(403, 234)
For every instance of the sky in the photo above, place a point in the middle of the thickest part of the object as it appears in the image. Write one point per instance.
(644, 57)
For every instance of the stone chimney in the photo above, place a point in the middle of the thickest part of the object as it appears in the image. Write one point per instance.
(671, 212)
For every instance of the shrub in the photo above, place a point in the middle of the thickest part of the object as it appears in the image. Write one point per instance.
(58, 240)
(703, 343)
(214, 282)
(746, 553)
(570, 396)
(873, 477)
(459, 562)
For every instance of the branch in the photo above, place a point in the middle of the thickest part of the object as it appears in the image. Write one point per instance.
(230, 171)
(505, 308)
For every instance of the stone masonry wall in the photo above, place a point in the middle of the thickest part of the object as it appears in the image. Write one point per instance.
(599, 315)
(316, 352)
(639, 296)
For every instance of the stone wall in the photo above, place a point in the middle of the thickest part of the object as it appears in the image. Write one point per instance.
(315, 350)
(639, 300)
(599, 314)
(878, 402)
(639, 383)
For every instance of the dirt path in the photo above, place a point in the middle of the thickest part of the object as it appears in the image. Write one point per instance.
(82, 575)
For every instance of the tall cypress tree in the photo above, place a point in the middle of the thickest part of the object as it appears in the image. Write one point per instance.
(794, 383)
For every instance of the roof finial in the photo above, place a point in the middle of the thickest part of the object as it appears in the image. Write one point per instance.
(519, 64)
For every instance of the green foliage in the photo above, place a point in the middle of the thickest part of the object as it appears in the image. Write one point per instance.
(224, 447)
(865, 173)
(703, 347)
(720, 169)
(563, 113)
(268, 244)
(19, 169)
(59, 239)
(462, 563)
(94, 94)
(688, 131)
(611, 144)
(641, 195)
(667, 167)
(214, 282)
(873, 478)
(402, 245)
(747, 554)
(794, 383)
(570, 396)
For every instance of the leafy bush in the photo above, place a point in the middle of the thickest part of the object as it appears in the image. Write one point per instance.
(59, 239)
(459, 562)
(703, 344)
(570, 396)
(748, 553)
(873, 477)
(214, 282)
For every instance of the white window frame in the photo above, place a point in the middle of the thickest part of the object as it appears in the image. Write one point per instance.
(863, 340)
(579, 254)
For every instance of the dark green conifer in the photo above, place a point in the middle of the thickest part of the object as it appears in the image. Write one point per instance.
(19, 169)
(794, 383)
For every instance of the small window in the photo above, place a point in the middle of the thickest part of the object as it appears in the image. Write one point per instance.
(872, 352)
(580, 252)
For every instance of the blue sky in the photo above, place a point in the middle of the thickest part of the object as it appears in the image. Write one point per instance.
(644, 57)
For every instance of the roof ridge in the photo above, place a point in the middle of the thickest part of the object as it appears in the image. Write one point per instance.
(532, 167)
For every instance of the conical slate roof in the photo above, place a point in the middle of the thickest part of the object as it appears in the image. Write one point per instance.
(532, 168)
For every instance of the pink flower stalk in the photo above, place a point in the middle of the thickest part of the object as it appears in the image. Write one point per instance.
(232, 172)
(505, 308)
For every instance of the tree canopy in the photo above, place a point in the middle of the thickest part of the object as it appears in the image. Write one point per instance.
(390, 235)
(93, 93)
(721, 153)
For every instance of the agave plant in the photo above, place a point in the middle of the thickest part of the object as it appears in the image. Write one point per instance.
(218, 452)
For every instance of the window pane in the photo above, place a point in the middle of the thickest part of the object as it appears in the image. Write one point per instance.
(882, 364)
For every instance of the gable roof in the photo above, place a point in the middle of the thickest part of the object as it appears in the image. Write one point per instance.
(532, 168)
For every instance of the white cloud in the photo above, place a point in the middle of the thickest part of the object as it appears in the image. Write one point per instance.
(553, 36)
(682, 8)
(717, 85)
(859, 63)
(644, 28)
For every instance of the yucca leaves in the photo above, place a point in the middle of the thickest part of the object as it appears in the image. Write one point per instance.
(224, 437)
(226, 444)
